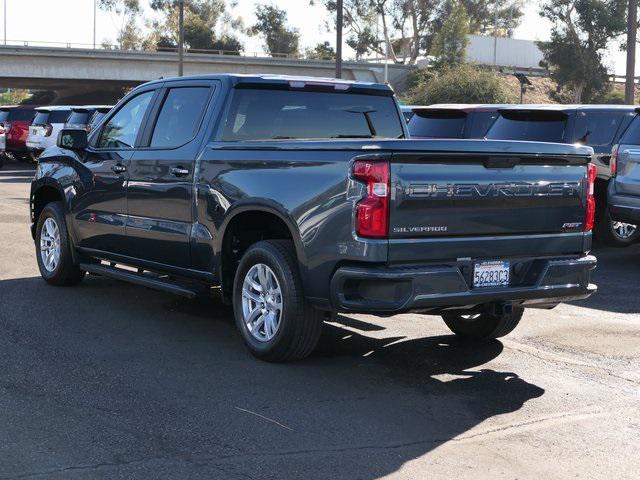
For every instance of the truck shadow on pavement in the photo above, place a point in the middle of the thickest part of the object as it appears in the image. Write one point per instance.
(129, 382)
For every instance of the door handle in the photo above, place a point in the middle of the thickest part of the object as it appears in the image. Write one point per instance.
(119, 168)
(179, 171)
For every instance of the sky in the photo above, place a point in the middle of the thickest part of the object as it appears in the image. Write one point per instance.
(71, 21)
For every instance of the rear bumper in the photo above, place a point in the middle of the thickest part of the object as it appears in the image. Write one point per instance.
(624, 208)
(386, 290)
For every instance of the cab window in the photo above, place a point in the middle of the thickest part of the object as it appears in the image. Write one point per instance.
(122, 129)
(180, 116)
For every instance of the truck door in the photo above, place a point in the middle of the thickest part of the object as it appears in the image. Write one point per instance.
(160, 187)
(100, 211)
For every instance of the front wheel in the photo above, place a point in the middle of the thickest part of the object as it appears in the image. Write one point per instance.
(275, 321)
(483, 326)
(53, 248)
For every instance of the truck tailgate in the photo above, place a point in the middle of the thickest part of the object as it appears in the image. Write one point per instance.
(478, 197)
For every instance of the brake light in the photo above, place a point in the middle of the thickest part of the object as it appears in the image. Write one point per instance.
(613, 162)
(48, 130)
(590, 216)
(372, 212)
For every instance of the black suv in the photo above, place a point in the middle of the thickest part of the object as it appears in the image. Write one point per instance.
(598, 126)
(452, 120)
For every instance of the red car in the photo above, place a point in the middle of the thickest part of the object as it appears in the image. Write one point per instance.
(15, 122)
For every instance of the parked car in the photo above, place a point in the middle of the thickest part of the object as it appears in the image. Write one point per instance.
(452, 120)
(301, 197)
(624, 187)
(44, 129)
(3, 143)
(87, 116)
(16, 120)
(598, 126)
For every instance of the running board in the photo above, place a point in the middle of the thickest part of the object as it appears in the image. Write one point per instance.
(138, 278)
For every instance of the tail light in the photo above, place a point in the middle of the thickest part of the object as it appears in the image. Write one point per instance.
(372, 212)
(613, 162)
(48, 130)
(590, 217)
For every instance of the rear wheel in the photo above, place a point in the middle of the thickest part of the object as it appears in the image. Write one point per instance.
(485, 325)
(2, 158)
(53, 248)
(275, 321)
(614, 233)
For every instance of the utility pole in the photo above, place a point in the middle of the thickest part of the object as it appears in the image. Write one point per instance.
(495, 35)
(339, 21)
(632, 27)
(181, 38)
(95, 13)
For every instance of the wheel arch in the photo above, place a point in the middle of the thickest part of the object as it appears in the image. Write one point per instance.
(264, 221)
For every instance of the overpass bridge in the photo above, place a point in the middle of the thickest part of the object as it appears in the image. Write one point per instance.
(82, 75)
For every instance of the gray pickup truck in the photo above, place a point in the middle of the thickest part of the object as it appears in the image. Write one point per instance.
(301, 198)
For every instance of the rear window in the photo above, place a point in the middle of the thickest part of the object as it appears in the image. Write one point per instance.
(438, 124)
(480, 123)
(597, 129)
(530, 126)
(282, 114)
(632, 134)
(41, 118)
(21, 114)
(59, 116)
(79, 118)
(4, 115)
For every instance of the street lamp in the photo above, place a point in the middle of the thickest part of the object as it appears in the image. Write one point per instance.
(181, 37)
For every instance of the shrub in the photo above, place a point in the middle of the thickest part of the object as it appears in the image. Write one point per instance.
(460, 84)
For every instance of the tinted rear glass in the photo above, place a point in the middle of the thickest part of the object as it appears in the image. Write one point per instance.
(4, 115)
(21, 114)
(59, 116)
(445, 124)
(283, 114)
(41, 118)
(479, 124)
(632, 134)
(530, 126)
(597, 129)
(78, 118)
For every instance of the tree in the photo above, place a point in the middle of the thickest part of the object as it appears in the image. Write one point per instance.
(322, 51)
(271, 24)
(460, 84)
(129, 35)
(450, 43)
(581, 32)
(408, 26)
(206, 25)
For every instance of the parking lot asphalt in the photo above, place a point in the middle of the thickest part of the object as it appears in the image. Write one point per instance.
(109, 380)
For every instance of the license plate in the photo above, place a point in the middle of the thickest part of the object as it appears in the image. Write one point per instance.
(491, 274)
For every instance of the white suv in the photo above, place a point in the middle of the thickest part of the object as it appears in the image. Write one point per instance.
(45, 127)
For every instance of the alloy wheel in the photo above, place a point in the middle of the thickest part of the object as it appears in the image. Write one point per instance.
(261, 302)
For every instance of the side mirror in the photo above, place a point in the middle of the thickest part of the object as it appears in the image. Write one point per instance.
(72, 139)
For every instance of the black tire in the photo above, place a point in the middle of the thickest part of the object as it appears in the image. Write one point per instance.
(2, 158)
(300, 324)
(483, 326)
(606, 234)
(65, 272)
